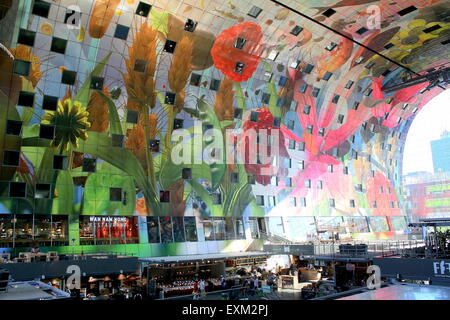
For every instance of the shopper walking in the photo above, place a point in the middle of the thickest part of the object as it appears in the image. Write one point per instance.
(201, 286)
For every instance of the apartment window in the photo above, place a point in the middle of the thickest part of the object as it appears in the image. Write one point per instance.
(349, 84)
(268, 76)
(46, 132)
(13, 127)
(234, 177)
(50, 103)
(89, 164)
(190, 25)
(251, 179)
(283, 81)
(374, 204)
(301, 146)
(327, 76)
(355, 105)
(117, 140)
(308, 68)
(60, 162)
(26, 99)
(186, 173)
(288, 182)
(274, 181)
(17, 189)
(296, 30)
(115, 194)
(315, 92)
(254, 12)
(291, 124)
(58, 45)
(329, 12)
(309, 128)
(21, 67)
(276, 122)
(330, 168)
(170, 98)
(352, 204)
(214, 85)
(121, 32)
(143, 9)
(307, 183)
(11, 158)
(341, 118)
(196, 79)
(153, 230)
(331, 46)
(332, 203)
(321, 132)
(272, 201)
(362, 30)
(178, 124)
(26, 37)
(388, 46)
(132, 116)
(273, 55)
(291, 144)
(164, 196)
(153, 145)
(239, 67)
(345, 170)
(260, 200)
(319, 184)
(294, 64)
(301, 165)
(217, 198)
(41, 8)
(239, 43)
(335, 98)
(407, 10)
(303, 88)
(307, 109)
(169, 46)
(292, 202)
(97, 83)
(303, 202)
(68, 77)
(392, 204)
(140, 65)
(359, 187)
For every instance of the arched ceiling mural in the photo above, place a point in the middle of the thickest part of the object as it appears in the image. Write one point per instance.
(127, 73)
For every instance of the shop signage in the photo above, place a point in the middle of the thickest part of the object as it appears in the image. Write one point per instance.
(109, 219)
(441, 269)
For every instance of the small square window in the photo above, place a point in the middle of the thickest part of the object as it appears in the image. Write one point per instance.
(265, 98)
(301, 165)
(115, 194)
(42, 191)
(370, 65)
(254, 12)
(307, 183)
(190, 25)
(307, 109)
(335, 98)
(143, 9)
(17, 189)
(195, 79)
(97, 83)
(319, 184)
(362, 30)
(294, 64)
(291, 144)
(132, 116)
(283, 81)
(273, 55)
(268, 76)
(308, 69)
(169, 46)
(140, 65)
(341, 118)
(26, 37)
(309, 128)
(153, 145)
(303, 202)
(117, 140)
(296, 30)
(359, 60)
(260, 200)
(41, 8)
(214, 85)
(321, 132)
(26, 99)
(47, 132)
(291, 124)
(186, 173)
(251, 179)
(11, 158)
(234, 177)
(254, 116)
(121, 32)
(68, 77)
(329, 12)
(50, 103)
(89, 165)
(407, 10)
(315, 92)
(386, 72)
(60, 162)
(352, 204)
(13, 127)
(21, 67)
(292, 202)
(240, 43)
(217, 198)
(389, 45)
(332, 203)
(178, 124)
(170, 98)
(355, 105)
(331, 46)
(238, 113)
(207, 126)
(349, 84)
(327, 76)
(164, 196)
(301, 146)
(276, 122)
(58, 45)
(303, 88)
(239, 67)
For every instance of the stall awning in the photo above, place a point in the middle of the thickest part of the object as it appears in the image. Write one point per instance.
(203, 257)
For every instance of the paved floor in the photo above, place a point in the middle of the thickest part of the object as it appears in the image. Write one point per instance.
(404, 292)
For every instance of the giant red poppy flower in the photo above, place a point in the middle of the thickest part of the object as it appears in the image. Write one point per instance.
(226, 56)
(264, 172)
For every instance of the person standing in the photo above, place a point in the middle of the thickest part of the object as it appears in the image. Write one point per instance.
(201, 286)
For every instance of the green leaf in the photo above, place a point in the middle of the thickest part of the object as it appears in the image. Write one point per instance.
(237, 196)
(240, 96)
(65, 188)
(114, 120)
(84, 94)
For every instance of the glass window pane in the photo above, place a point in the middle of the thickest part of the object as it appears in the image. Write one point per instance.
(239, 228)
(208, 229)
(178, 229)
(378, 224)
(153, 230)
(229, 229)
(6, 230)
(190, 229)
(300, 228)
(166, 229)
(399, 223)
(24, 230)
(219, 228)
(253, 224)
(357, 224)
(275, 226)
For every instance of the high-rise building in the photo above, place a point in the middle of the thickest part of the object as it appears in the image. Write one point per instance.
(440, 150)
